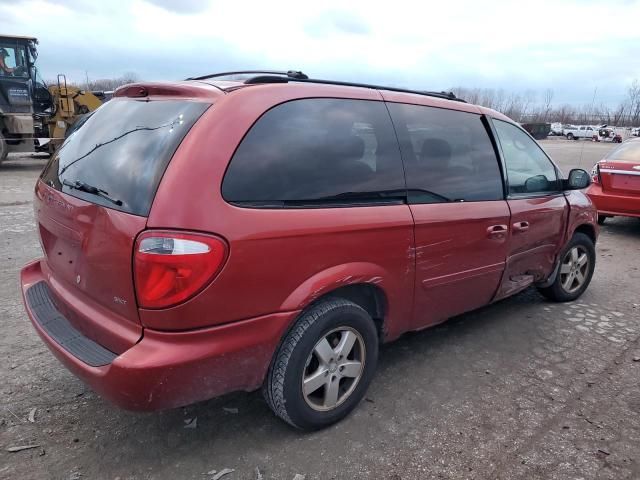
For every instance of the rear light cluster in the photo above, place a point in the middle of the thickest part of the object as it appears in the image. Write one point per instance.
(595, 174)
(171, 267)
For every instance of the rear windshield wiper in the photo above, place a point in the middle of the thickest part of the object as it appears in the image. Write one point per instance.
(85, 187)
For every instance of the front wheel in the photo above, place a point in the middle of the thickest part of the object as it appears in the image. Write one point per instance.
(324, 365)
(569, 136)
(578, 262)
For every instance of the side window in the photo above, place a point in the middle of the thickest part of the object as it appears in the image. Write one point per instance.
(448, 155)
(528, 168)
(316, 150)
(7, 60)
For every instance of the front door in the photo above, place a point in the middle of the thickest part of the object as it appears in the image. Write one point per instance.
(457, 202)
(539, 210)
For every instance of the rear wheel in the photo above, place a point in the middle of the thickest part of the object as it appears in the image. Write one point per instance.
(578, 262)
(569, 136)
(324, 365)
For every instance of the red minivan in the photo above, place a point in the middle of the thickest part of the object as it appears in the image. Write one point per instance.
(210, 236)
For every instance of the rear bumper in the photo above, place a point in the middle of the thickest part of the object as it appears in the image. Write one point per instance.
(164, 369)
(614, 203)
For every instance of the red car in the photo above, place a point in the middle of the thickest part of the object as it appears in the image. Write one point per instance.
(616, 182)
(209, 236)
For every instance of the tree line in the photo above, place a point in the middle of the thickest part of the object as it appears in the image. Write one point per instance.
(101, 84)
(531, 106)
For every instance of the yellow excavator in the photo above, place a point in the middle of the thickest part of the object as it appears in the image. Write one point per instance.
(70, 105)
(29, 110)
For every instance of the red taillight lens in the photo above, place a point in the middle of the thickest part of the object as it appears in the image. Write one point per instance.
(171, 267)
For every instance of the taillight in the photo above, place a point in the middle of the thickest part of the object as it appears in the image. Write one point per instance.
(171, 267)
(595, 174)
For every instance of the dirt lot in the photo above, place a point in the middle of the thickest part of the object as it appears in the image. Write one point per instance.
(521, 389)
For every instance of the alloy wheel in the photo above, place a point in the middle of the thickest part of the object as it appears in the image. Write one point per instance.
(333, 369)
(574, 269)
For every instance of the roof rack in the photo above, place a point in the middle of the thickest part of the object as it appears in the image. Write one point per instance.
(275, 74)
(444, 95)
(279, 76)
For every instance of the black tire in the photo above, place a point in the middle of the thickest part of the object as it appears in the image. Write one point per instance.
(556, 291)
(570, 136)
(283, 385)
(4, 149)
(602, 219)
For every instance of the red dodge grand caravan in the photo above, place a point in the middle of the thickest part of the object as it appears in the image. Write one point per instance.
(210, 236)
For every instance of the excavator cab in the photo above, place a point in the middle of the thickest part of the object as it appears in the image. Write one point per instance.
(21, 97)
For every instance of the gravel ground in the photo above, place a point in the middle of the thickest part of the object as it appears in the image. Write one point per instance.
(522, 389)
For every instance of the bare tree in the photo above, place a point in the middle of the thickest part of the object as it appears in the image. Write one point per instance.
(548, 98)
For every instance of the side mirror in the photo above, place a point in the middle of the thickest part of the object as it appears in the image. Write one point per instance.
(578, 179)
(538, 183)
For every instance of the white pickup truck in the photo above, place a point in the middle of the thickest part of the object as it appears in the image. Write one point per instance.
(575, 133)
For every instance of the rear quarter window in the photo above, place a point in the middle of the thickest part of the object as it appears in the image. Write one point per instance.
(312, 150)
(123, 149)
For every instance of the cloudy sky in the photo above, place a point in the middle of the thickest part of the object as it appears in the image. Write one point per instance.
(573, 47)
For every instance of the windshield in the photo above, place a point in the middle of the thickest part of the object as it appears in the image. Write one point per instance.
(118, 156)
(13, 61)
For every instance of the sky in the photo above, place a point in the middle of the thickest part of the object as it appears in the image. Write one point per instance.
(577, 48)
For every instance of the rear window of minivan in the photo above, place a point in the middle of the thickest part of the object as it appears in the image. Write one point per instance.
(118, 156)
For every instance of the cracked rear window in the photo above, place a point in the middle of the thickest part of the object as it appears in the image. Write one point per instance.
(122, 149)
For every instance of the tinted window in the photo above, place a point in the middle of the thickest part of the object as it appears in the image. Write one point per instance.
(528, 168)
(313, 149)
(448, 155)
(123, 149)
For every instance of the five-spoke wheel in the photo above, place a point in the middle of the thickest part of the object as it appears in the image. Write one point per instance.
(333, 369)
(577, 263)
(574, 269)
(324, 365)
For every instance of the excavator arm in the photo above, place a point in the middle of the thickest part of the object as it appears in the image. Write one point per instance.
(70, 104)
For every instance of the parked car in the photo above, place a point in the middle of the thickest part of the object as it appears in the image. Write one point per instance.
(635, 132)
(616, 182)
(576, 133)
(210, 236)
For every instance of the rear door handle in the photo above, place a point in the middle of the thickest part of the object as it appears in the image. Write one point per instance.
(520, 226)
(497, 231)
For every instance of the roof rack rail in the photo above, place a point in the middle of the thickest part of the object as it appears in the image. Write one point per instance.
(268, 78)
(293, 74)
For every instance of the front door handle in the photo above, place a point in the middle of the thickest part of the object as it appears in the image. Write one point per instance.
(520, 227)
(497, 231)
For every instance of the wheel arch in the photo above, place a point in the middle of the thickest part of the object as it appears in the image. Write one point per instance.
(362, 283)
(587, 229)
